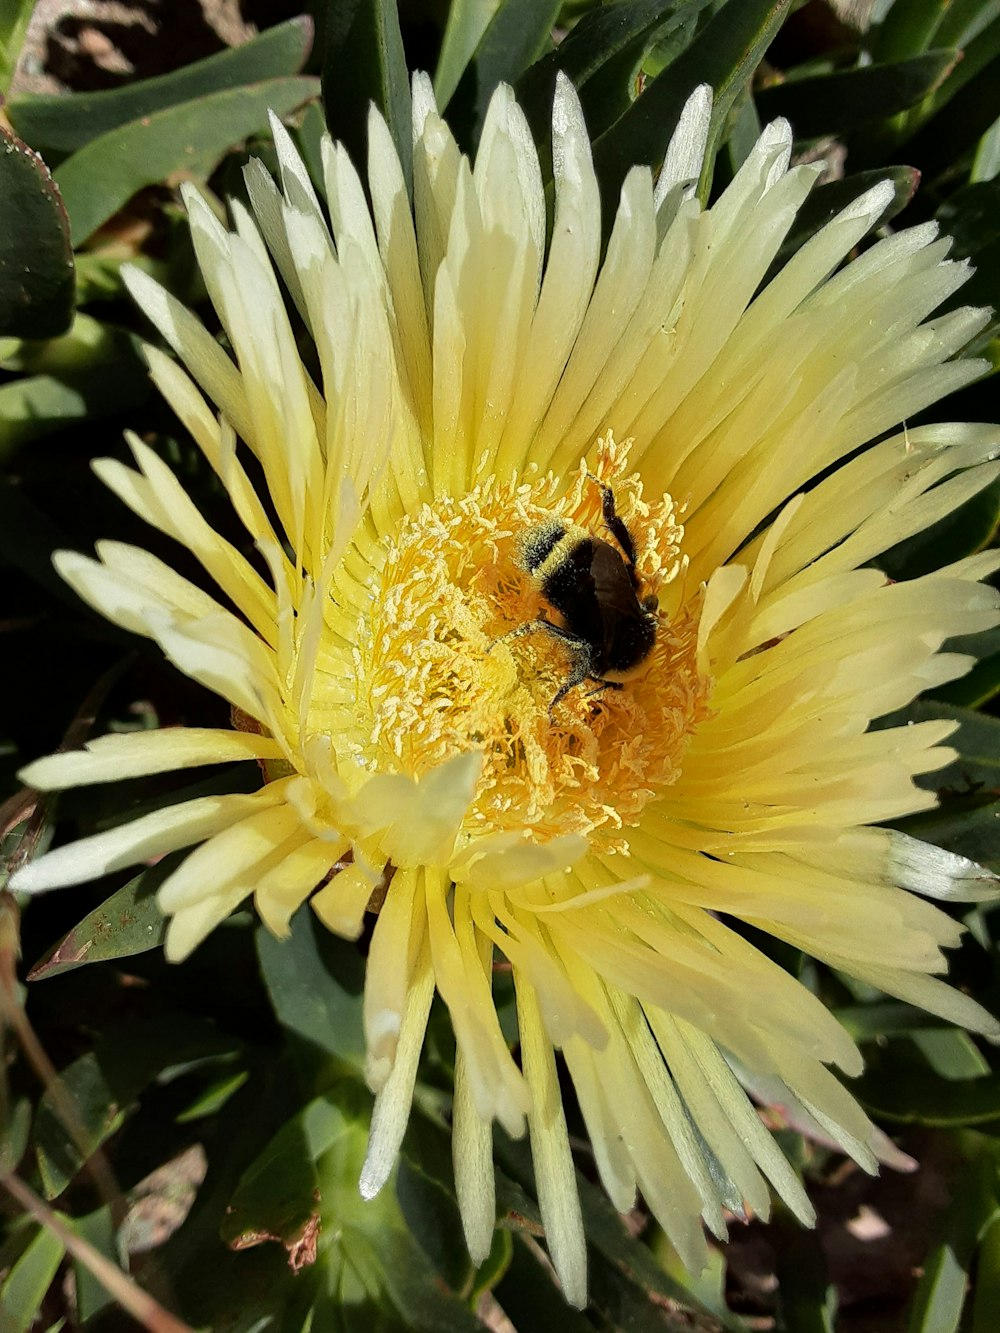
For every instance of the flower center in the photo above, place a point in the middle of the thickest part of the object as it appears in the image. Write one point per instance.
(440, 671)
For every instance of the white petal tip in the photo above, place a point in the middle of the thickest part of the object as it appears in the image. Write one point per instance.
(28, 880)
(374, 1174)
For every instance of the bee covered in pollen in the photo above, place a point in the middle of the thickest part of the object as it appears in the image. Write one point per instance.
(606, 627)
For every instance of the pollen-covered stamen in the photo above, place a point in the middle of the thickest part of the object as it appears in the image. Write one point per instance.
(439, 673)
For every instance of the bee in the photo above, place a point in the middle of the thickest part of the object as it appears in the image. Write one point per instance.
(606, 628)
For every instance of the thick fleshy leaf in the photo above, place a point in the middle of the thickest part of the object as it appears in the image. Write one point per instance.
(529, 1297)
(975, 1207)
(807, 1297)
(972, 217)
(516, 36)
(36, 261)
(824, 203)
(24, 1287)
(364, 62)
(838, 102)
(315, 981)
(910, 28)
(64, 124)
(425, 1189)
(908, 1094)
(983, 682)
(277, 1195)
(92, 371)
(98, 1230)
(191, 138)
(14, 18)
(977, 741)
(600, 56)
(953, 118)
(14, 1133)
(129, 922)
(724, 54)
(374, 1272)
(467, 21)
(625, 1279)
(967, 529)
(104, 1083)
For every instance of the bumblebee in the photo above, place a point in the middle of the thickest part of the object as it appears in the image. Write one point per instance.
(607, 630)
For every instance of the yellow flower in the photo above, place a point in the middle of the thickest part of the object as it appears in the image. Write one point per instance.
(477, 386)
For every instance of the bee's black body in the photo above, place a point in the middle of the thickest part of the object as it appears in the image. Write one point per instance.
(594, 588)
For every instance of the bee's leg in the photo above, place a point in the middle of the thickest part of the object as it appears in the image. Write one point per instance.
(518, 632)
(580, 650)
(616, 525)
(583, 663)
(603, 685)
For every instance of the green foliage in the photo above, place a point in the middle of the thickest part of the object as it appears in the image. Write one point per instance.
(364, 63)
(251, 1054)
(36, 263)
(58, 125)
(14, 18)
(24, 1287)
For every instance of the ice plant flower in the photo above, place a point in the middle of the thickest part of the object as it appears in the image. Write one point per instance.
(476, 384)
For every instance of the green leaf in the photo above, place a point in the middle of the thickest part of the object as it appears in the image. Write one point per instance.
(65, 124)
(951, 1053)
(129, 922)
(982, 683)
(705, 1290)
(626, 1282)
(971, 217)
(963, 20)
(15, 1128)
(986, 1299)
(467, 21)
(214, 1097)
(978, 56)
(910, 1095)
(28, 537)
(191, 138)
(724, 53)
(103, 1085)
(277, 1196)
(951, 121)
(824, 202)
(98, 1229)
(99, 1111)
(374, 1274)
(911, 26)
(967, 826)
(977, 741)
(839, 102)
(364, 61)
(15, 16)
(90, 372)
(941, 1293)
(517, 35)
(807, 1297)
(601, 56)
(425, 1188)
(967, 529)
(24, 1288)
(36, 261)
(975, 1208)
(530, 1298)
(884, 1018)
(315, 982)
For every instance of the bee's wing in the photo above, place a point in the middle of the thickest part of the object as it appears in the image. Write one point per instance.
(615, 592)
